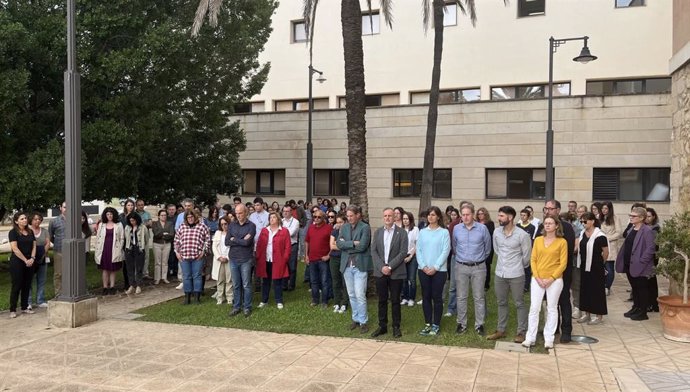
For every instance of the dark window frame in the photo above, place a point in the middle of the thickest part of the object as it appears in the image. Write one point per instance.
(529, 8)
(293, 26)
(257, 180)
(631, 5)
(416, 181)
(331, 184)
(614, 86)
(516, 89)
(533, 190)
(366, 13)
(609, 174)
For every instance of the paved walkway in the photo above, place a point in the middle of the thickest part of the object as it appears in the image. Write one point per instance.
(118, 353)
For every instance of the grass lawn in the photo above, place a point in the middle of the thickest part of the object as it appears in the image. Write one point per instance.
(300, 318)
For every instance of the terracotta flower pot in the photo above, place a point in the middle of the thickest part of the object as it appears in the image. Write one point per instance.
(675, 318)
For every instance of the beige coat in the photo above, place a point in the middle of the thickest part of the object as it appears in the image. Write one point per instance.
(217, 239)
(614, 233)
(118, 241)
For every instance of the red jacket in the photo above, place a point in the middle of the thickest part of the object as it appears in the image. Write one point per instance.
(281, 254)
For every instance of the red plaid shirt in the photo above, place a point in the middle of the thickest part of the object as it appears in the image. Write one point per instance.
(192, 241)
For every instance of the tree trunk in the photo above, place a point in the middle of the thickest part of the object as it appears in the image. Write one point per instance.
(432, 117)
(351, 20)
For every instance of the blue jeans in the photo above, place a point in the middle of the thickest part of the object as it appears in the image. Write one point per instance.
(610, 273)
(319, 271)
(191, 275)
(356, 282)
(40, 272)
(410, 284)
(242, 284)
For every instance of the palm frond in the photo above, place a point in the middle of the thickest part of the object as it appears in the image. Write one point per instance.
(426, 14)
(213, 11)
(386, 10)
(210, 7)
(468, 8)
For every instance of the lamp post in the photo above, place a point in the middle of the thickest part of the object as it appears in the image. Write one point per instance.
(310, 148)
(584, 57)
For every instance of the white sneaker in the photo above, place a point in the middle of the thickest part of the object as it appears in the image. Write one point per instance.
(219, 302)
(179, 286)
(280, 306)
(336, 308)
(548, 345)
(138, 290)
(43, 305)
(261, 305)
(403, 302)
(130, 290)
(29, 307)
(608, 292)
(420, 302)
(410, 302)
(576, 313)
(527, 343)
(448, 314)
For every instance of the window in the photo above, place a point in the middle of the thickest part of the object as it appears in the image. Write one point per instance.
(450, 14)
(299, 31)
(448, 96)
(374, 100)
(529, 92)
(515, 183)
(264, 182)
(531, 8)
(631, 184)
(370, 23)
(408, 183)
(299, 104)
(248, 107)
(331, 182)
(629, 86)
(629, 3)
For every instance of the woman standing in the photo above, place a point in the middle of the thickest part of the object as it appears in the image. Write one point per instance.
(128, 208)
(409, 291)
(23, 245)
(86, 233)
(653, 222)
(136, 238)
(549, 259)
(398, 213)
(593, 250)
(109, 245)
(191, 245)
(41, 268)
(433, 247)
(596, 208)
(272, 256)
(221, 268)
(340, 297)
(163, 234)
(613, 229)
(484, 218)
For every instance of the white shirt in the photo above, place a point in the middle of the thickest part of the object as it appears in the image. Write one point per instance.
(224, 250)
(269, 246)
(292, 225)
(412, 236)
(387, 240)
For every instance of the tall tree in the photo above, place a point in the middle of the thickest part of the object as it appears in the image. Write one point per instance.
(155, 101)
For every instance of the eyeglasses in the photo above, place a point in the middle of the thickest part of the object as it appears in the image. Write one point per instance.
(583, 221)
(331, 216)
(318, 217)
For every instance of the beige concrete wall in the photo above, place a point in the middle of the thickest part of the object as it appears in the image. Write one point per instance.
(501, 50)
(621, 131)
(681, 24)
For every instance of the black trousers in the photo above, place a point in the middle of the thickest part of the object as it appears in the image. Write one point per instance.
(389, 288)
(21, 283)
(432, 292)
(565, 308)
(640, 291)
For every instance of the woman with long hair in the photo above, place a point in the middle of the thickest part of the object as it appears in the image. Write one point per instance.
(595, 208)
(398, 213)
(653, 222)
(272, 255)
(433, 246)
(127, 209)
(549, 260)
(109, 244)
(192, 241)
(163, 233)
(41, 268)
(86, 233)
(612, 227)
(592, 253)
(221, 262)
(22, 259)
(409, 290)
(136, 238)
(340, 296)
(483, 217)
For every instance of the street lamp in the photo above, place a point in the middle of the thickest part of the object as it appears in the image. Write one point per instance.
(584, 57)
(310, 151)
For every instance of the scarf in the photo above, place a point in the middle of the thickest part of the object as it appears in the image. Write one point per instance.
(590, 248)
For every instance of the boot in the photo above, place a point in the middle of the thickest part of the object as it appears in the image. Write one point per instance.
(203, 284)
(198, 298)
(188, 299)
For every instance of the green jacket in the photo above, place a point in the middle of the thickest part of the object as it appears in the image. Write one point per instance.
(360, 252)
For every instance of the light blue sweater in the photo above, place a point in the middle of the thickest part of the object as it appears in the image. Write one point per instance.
(433, 247)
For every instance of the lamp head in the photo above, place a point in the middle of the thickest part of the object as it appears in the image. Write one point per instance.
(585, 56)
(320, 78)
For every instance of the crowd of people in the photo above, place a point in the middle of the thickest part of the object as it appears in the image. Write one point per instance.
(569, 259)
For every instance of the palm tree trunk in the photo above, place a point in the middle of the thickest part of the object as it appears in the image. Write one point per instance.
(432, 117)
(351, 20)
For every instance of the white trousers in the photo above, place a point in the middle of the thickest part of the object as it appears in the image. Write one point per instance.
(553, 292)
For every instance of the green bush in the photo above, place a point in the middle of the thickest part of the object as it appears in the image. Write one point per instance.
(674, 248)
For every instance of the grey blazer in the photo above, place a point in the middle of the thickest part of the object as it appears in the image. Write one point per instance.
(396, 255)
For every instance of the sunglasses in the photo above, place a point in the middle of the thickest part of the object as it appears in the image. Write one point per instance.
(331, 216)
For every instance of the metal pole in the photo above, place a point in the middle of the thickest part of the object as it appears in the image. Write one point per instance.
(549, 129)
(74, 247)
(310, 174)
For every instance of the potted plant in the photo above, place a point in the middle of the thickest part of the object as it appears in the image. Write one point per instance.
(674, 260)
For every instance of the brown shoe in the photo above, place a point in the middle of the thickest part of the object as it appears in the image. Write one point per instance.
(496, 335)
(519, 338)
(354, 325)
(363, 328)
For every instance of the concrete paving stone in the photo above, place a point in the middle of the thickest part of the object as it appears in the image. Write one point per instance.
(375, 379)
(451, 386)
(502, 387)
(346, 363)
(361, 388)
(160, 384)
(253, 380)
(321, 386)
(446, 373)
(196, 386)
(543, 383)
(491, 376)
(281, 383)
(409, 383)
(335, 375)
(582, 387)
(425, 360)
(397, 348)
(418, 371)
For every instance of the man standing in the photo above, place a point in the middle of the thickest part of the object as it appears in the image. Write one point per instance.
(472, 244)
(355, 262)
(513, 248)
(147, 222)
(240, 240)
(260, 220)
(292, 224)
(452, 309)
(388, 251)
(56, 231)
(317, 244)
(172, 258)
(552, 209)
